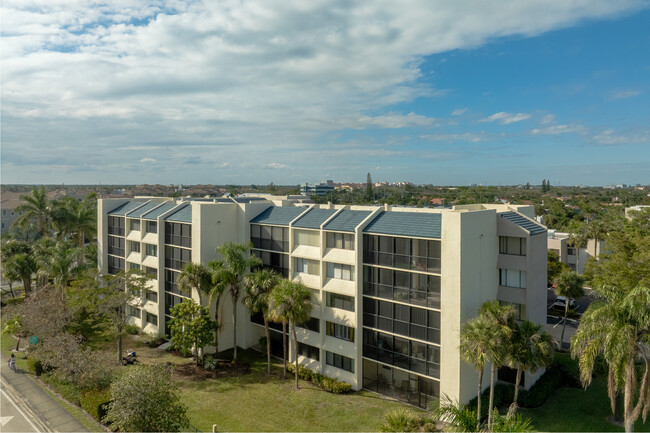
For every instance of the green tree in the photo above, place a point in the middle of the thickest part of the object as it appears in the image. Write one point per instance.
(78, 219)
(531, 348)
(291, 301)
(14, 327)
(146, 399)
(578, 237)
(191, 327)
(199, 277)
(228, 275)
(570, 285)
(259, 286)
(369, 188)
(617, 326)
(458, 417)
(475, 341)
(62, 265)
(36, 210)
(18, 263)
(554, 267)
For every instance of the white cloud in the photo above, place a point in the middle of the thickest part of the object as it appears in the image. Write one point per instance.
(277, 166)
(549, 118)
(506, 118)
(609, 137)
(622, 94)
(147, 160)
(558, 129)
(459, 111)
(466, 136)
(230, 79)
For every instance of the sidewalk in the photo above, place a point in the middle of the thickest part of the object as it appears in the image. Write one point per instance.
(48, 414)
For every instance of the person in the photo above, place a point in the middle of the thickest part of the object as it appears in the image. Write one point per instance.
(12, 362)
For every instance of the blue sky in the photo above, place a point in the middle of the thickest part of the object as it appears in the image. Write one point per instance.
(449, 93)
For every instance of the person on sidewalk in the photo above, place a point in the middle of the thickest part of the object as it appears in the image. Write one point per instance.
(12, 363)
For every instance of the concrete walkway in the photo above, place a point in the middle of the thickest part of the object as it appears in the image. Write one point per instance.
(44, 412)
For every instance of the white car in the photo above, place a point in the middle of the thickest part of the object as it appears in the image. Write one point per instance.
(560, 303)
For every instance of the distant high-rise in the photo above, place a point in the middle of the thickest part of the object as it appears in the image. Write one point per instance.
(322, 188)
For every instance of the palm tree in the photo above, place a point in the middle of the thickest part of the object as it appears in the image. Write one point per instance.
(578, 238)
(62, 265)
(531, 348)
(197, 276)
(18, 264)
(458, 416)
(36, 209)
(42, 253)
(259, 286)
(570, 285)
(499, 320)
(291, 301)
(229, 274)
(78, 219)
(475, 340)
(618, 327)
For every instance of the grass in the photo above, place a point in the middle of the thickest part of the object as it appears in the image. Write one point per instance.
(577, 409)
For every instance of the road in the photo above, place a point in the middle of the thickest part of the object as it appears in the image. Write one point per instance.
(554, 323)
(14, 417)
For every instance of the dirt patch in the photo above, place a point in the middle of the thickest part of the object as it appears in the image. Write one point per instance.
(224, 369)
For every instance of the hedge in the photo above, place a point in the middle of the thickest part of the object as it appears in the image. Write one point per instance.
(34, 365)
(327, 383)
(95, 402)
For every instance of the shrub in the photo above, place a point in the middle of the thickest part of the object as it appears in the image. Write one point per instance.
(210, 362)
(329, 384)
(68, 390)
(35, 365)
(14, 301)
(132, 329)
(95, 402)
(429, 427)
(400, 420)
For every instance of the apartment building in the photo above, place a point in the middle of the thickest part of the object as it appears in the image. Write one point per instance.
(574, 257)
(391, 287)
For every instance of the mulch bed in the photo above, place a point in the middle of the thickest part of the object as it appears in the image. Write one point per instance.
(224, 369)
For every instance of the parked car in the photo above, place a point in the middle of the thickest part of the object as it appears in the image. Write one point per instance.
(560, 303)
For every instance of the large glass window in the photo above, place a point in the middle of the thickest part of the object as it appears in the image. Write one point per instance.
(313, 324)
(151, 227)
(133, 311)
(308, 266)
(340, 240)
(178, 234)
(177, 258)
(151, 318)
(116, 225)
(134, 224)
(404, 253)
(270, 237)
(151, 250)
(339, 361)
(278, 262)
(339, 331)
(512, 278)
(342, 272)
(115, 265)
(411, 322)
(171, 283)
(134, 246)
(116, 246)
(409, 287)
(306, 237)
(309, 351)
(512, 245)
(171, 301)
(340, 301)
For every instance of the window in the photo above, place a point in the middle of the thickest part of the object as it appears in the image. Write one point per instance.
(340, 301)
(400, 352)
(412, 322)
(339, 361)
(133, 311)
(270, 237)
(178, 234)
(116, 226)
(135, 246)
(151, 296)
(339, 331)
(414, 254)
(276, 261)
(313, 324)
(115, 246)
(151, 227)
(512, 245)
(151, 318)
(571, 251)
(307, 266)
(342, 272)
(152, 272)
(340, 240)
(177, 258)
(520, 309)
(115, 265)
(511, 278)
(151, 250)
(409, 287)
(306, 237)
(134, 266)
(309, 351)
(171, 301)
(134, 224)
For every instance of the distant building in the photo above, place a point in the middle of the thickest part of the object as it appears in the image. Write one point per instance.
(323, 188)
(10, 201)
(638, 208)
(575, 258)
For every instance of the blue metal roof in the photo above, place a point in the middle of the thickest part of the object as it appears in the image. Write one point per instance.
(137, 213)
(126, 207)
(532, 227)
(413, 224)
(278, 215)
(314, 218)
(154, 214)
(183, 215)
(347, 220)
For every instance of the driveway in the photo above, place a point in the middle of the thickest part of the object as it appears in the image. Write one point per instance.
(555, 319)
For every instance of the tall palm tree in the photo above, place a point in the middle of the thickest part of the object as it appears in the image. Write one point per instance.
(578, 238)
(78, 219)
(42, 251)
(500, 322)
(618, 327)
(531, 348)
(197, 276)
(17, 263)
(228, 275)
(259, 286)
(570, 285)
(36, 209)
(475, 340)
(62, 265)
(292, 301)
(23, 265)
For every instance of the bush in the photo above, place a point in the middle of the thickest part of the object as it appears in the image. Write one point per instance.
(68, 390)
(429, 427)
(132, 329)
(400, 420)
(329, 384)
(210, 362)
(95, 402)
(13, 301)
(34, 365)
(154, 343)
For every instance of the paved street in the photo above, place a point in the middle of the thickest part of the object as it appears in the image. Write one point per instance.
(12, 417)
(554, 323)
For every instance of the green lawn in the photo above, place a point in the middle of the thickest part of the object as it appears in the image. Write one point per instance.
(576, 409)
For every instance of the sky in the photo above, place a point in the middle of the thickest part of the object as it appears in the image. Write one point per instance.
(291, 91)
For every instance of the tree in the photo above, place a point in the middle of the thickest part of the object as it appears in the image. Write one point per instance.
(197, 276)
(458, 416)
(229, 274)
(146, 399)
(618, 327)
(117, 294)
(570, 285)
(578, 238)
(369, 188)
(499, 320)
(259, 286)
(14, 327)
(18, 263)
(61, 265)
(554, 267)
(78, 219)
(475, 341)
(291, 301)
(36, 210)
(530, 349)
(191, 327)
